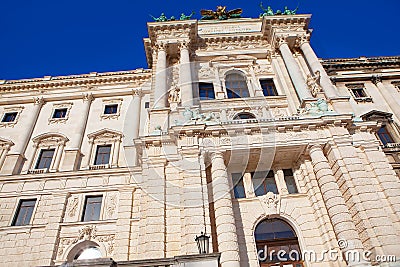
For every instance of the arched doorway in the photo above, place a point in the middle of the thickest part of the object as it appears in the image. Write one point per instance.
(277, 244)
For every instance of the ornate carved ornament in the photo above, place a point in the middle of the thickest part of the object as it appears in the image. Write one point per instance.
(17, 109)
(5, 144)
(105, 136)
(271, 203)
(106, 102)
(67, 106)
(135, 77)
(244, 42)
(48, 140)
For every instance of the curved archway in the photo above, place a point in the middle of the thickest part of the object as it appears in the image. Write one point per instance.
(236, 85)
(85, 250)
(277, 244)
(244, 116)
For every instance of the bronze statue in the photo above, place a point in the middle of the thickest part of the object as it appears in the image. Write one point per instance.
(267, 12)
(161, 18)
(184, 17)
(221, 13)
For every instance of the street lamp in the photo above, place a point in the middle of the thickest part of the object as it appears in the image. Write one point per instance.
(203, 242)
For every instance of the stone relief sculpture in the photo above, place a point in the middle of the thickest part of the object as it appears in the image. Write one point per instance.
(195, 117)
(72, 206)
(112, 205)
(320, 107)
(270, 203)
(313, 83)
(174, 95)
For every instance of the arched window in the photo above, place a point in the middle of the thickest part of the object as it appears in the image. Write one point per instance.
(88, 254)
(244, 116)
(273, 236)
(236, 86)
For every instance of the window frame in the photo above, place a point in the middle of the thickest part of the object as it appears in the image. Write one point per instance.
(17, 109)
(17, 211)
(270, 174)
(39, 158)
(59, 106)
(387, 133)
(97, 153)
(63, 112)
(238, 183)
(296, 186)
(359, 86)
(207, 90)
(274, 89)
(109, 102)
(232, 92)
(84, 206)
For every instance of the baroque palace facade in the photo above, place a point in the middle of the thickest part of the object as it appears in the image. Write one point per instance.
(237, 130)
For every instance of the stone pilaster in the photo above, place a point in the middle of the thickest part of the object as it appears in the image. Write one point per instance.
(16, 157)
(360, 191)
(49, 244)
(389, 96)
(123, 224)
(73, 151)
(315, 65)
(337, 210)
(294, 70)
(185, 76)
(224, 217)
(160, 88)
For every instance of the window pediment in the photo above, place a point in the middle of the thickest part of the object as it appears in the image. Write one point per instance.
(50, 140)
(105, 136)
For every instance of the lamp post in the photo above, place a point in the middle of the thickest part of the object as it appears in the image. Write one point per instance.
(203, 242)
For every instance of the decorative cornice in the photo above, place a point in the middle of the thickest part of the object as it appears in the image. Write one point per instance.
(343, 64)
(140, 76)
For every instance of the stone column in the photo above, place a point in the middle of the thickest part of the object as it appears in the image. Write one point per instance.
(160, 89)
(15, 158)
(136, 114)
(57, 160)
(185, 76)
(115, 154)
(73, 151)
(315, 65)
(225, 220)
(390, 97)
(338, 212)
(281, 182)
(294, 70)
(3, 153)
(88, 157)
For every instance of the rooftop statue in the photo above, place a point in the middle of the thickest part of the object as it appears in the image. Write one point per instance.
(184, 17)
(221, 13)
(287, 11)
(267, 12)
(161, 18)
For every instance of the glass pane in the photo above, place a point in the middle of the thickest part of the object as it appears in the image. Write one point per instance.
(111, 109)
(206, 91)
(92, 208)
(102, 155)
(290, 182)
(384, 135)
(268, 87)
(272, 229)
(9, 117)
(236, 86)
(24, 212)
(238, 186)
(60, 113)
(45, 158)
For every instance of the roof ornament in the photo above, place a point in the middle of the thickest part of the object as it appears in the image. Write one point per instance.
(162, 18)
(270, 12)
(184, 17)
(220, 13)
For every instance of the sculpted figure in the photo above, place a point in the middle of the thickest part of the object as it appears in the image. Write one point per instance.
(174, 94)
(184, 17)
(313, 83)
(267, 12)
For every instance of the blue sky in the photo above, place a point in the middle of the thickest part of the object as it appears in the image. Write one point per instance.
(59, 37)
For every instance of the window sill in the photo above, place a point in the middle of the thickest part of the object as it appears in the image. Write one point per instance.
(99, 167)
(363, 99)
(38, 171)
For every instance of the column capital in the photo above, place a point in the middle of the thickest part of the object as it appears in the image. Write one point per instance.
(137, 93)
(376, 79)
(161, 46)
(38, 101)
(281, 40)
(87, 97)
(184, 44)
(302, 39)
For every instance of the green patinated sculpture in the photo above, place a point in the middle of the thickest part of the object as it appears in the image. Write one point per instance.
(161, 18)
(287, 11)
(184, 17)
(267, 12)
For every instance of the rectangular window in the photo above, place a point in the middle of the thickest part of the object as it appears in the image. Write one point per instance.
(290, 182)
(24, 212)
(9, 117)
(238, 186)
(60, 113)
(384, 135)
(92, 208)
(111, 109)
(264, 182)
(268, 87)
(359, 92)
(45, 158)
(146, 104)
(102, 155)
(206, 91)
